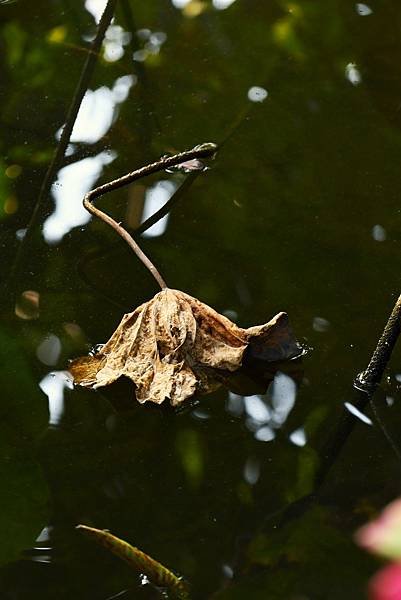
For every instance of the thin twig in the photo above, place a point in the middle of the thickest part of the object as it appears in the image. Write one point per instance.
(165, 209)
(202, 151)
(147, 107)
(365, 385)
(86, 260)
(369, 379)
(82, 86)
(383, 427)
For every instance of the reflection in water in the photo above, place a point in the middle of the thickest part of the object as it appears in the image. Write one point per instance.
(200, 414)
(257, 412)
(252, 470)
(257, 94)
(153, 41)
(228, 571)
(44, 535)
(352, 74)
(298, 437)
(73, 182)
(98, 110)
(40, 552)
(20, 234)
(27, 305)
(379, 233)
(320, 324)
(95, 117)
(96, 8)
(156, 197)
(48, 351)
(262, 418)
(235, 404)
(283, 395)
(363, 9)
(357, 413)
(265, 434)
(222, 4)
(115, 40)
(53, 385)
(180, 3)
(116, 37)
(197, 7)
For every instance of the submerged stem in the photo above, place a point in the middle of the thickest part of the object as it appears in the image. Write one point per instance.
(201, 151)
(8, 291)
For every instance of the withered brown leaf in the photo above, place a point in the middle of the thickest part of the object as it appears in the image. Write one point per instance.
(175, 346)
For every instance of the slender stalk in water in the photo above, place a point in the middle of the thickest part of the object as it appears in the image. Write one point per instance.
(368, 379)
(201, 151)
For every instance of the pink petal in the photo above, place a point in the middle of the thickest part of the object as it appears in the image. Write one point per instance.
(386, 584)
(383, 535)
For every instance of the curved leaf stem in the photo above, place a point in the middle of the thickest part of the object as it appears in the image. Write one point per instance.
(201, 151)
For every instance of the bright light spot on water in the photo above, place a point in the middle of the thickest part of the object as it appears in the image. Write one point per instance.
(20, 234)
(235, 404)
(48, 351)
(257, 94)
(256, 409)
(320, 324)
(352, 74)
(200, 414)
(98, 110)
(53, 385)
(140, 55)
(155, 198)
(389, 400)
(122, 86)
(96, 8)
(153, 41)
(95, 116)
(363, 9)
(252, 471)
(265, 434)
(265, 413)
(180, 3)
(113, 51)
(228, 571)
(44, 535)
(158, 37)
(357, 413)
(70, 150)
(379, 233)
(143, 34)
(73, 182)
(115, 40)
(283, 397)
(298, 437)
(222, 4)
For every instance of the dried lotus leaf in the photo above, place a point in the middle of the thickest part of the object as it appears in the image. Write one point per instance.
(175, 346)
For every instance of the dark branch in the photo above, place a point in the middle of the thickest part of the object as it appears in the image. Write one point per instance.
(202, 151)
(40, 206)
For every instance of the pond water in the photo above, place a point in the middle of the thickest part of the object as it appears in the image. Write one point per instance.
(246, 497)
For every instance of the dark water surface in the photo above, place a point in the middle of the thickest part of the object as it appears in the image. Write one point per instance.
(300, 212)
